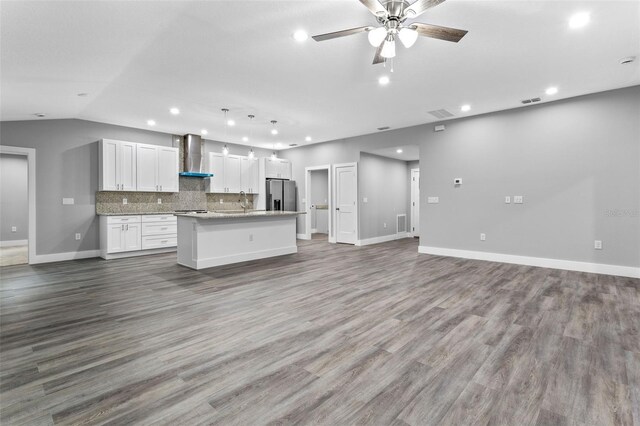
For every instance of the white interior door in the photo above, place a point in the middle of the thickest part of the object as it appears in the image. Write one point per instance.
(415, 202)
(346, 208)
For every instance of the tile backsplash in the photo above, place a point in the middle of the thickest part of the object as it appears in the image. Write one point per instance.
(192, 196)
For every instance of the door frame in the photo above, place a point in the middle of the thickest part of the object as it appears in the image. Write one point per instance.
(334, 195)
(30, 153)
(414, 220)
(307, 204)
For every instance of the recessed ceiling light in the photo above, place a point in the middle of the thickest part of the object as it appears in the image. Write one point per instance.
(551, 91)
(174, 111)
(399, 151)
(245, 139)
(308, 139)
(204, 131)
(274, 131)
(579, 20)
(231, 123)
(465, 108)
(384, 80)
(151, 123)
(300, 36)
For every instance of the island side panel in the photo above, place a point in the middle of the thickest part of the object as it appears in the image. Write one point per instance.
(187, 254)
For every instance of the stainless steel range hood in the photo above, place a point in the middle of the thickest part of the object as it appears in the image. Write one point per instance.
(193, 166)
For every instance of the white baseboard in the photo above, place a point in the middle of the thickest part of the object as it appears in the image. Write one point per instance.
(60, 257)
(135, 253)
(569, 265)
(383, 239)
(302, 237)
(14, 243)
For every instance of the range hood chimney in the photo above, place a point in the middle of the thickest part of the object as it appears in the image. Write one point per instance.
(193, 157)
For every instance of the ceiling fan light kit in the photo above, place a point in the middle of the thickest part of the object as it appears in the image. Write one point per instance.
(391, 15)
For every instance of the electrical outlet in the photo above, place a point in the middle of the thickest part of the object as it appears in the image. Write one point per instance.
(159, 200)
(14, 229)
(365, 200)
(597, 245)
(384, 225)
(483, 237)
(221, 201)
(518, 199)
(507, 199)
(124, 201)
(78, 236)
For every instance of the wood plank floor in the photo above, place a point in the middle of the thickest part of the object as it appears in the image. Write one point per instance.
(332, 335)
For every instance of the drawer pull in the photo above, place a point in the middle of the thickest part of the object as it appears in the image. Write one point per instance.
(163, 228)
(164, 241)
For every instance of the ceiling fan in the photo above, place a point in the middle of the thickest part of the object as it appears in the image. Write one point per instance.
(391, 15)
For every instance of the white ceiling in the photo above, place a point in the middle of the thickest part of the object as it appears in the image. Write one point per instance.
(409, 152)
(137, 59)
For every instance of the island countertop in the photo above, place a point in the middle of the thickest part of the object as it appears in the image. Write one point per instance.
(238, 214)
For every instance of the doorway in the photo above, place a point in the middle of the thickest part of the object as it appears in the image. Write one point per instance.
(318, 204)
(346, 210)
(17, 205)
(415, 202)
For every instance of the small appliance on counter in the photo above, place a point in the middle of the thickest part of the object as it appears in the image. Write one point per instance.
(281, 195)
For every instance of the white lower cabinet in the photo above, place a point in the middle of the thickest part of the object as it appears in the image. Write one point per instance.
(133, 234)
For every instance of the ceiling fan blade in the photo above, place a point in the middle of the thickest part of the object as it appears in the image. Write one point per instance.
(419, 7)
(441, 33)
(375, 7)
(378, 59)
(343, 33)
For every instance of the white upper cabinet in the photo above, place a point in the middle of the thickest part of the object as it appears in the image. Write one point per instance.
(157, 168)
(250, 175)
(129, 166)
(168, 159)
(227, 173)
(277, 168)
(117, 165)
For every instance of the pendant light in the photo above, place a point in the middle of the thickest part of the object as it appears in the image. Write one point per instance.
(225, 149)
(251, 117)
(274, 131)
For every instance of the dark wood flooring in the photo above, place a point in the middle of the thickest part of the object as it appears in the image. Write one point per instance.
(332, 335)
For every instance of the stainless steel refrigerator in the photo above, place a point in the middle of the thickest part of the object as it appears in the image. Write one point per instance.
(281, 195)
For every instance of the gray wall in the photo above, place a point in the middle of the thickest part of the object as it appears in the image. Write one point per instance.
(383, 181)
(576, 162)
(14, 197)
(573, 161)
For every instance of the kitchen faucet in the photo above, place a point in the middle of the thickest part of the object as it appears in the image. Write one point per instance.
(244, 203)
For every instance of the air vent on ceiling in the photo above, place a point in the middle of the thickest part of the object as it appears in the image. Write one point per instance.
(384, 128)
(293, 144)
(441, 113)
(528, 101)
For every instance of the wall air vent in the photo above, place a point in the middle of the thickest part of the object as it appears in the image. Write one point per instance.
(441, 113)
(529, 101)
(401, 224)
(384, 128)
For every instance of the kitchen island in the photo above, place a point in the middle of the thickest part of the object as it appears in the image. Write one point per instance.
(212, 239)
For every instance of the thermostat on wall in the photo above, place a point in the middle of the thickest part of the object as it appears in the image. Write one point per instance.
(457, 181)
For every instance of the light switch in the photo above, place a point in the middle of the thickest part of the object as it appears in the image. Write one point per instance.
(433, 200)
(365, 200)
(159, 200)
(507, 199)
(597, 245)
(67, 201)
(518, 199)
(483, 237)
(124, 201)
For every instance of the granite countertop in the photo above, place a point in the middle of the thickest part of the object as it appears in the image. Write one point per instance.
(238, 214)
(134, 213)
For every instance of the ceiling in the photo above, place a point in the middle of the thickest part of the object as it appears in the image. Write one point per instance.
(406, 152)
(135, 60)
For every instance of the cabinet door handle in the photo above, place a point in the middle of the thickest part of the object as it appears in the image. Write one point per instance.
(127, 226)
(122, 227)
(160, 187)
(164, 241)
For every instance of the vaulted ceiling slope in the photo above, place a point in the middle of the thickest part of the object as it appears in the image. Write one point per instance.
(135, 60)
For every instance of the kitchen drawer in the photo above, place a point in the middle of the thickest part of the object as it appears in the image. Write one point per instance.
(165, 218)
(122, 219)
(159, 241)
(159, 228)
